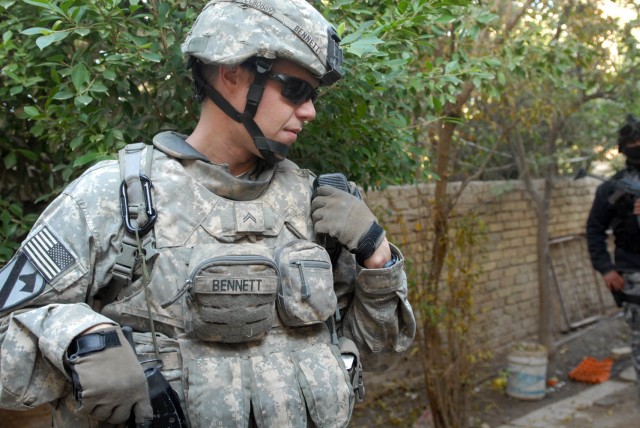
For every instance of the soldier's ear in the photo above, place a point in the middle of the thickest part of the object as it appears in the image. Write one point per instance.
(234, 79)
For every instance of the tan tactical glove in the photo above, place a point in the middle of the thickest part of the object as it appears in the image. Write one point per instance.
(347, 219)
(108, 380)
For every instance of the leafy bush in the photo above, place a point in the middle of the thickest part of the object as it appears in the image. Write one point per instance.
(81, 79)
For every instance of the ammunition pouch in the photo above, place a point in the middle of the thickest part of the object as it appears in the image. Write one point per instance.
(233, 289)
(305, 294)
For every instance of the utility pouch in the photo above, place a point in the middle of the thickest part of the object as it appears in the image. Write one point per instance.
(233, 288)
(306, 295)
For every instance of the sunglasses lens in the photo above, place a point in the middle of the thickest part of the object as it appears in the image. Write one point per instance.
(298, 91)
(295, 90)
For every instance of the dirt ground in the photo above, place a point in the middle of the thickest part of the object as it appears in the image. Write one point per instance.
(399, 398)
(396, 398)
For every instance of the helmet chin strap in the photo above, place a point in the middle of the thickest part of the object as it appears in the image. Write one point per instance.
(272, 151)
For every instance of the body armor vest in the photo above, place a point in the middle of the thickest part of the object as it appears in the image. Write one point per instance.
(229, 270)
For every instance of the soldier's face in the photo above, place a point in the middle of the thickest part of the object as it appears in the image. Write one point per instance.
(280, 115)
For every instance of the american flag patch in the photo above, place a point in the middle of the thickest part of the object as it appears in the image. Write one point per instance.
(47, 254)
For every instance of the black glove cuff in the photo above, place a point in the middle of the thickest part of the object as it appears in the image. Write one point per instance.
(367, 244)
(83, 345)
(92, 342)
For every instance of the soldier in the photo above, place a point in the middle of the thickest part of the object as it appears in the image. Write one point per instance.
(619, 211)
(205, 245)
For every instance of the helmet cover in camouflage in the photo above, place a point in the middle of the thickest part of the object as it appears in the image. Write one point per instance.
(229, 32)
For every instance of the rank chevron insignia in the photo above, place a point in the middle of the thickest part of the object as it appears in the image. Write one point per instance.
(248, 217)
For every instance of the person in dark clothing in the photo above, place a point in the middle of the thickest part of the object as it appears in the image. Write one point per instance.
(618, 211)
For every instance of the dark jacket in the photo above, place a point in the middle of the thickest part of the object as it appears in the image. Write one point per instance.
(612, 210)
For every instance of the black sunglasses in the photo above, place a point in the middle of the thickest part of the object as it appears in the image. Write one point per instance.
(296, 90)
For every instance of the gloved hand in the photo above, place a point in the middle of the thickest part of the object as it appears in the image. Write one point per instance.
(108, 380)
(347, 219)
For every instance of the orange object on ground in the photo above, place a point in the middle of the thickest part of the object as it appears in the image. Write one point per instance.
(591, 370)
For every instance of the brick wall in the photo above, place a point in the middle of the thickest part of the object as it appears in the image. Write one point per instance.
(506, 294)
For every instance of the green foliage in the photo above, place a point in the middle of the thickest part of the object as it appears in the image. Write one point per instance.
(568, 77)
(372, 124)
(79, 80)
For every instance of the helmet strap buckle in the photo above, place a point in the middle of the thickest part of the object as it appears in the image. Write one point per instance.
(262, 70)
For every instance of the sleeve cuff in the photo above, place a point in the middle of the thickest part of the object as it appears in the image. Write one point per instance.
(383, 280)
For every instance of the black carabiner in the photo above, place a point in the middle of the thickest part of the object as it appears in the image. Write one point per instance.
(150, 210)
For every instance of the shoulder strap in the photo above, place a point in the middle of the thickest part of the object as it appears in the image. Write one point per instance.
(138, 213)
(138, 217)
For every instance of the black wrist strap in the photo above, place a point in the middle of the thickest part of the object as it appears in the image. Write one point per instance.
(367, 244)
(93, 342)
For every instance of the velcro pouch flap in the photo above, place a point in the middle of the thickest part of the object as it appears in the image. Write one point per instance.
(306, 295)
(233, 288)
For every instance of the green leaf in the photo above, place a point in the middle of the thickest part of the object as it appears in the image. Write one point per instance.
(6, 4)
(80, 76)
(10, 160)
(82, 31)
(82, 101)
(86, 158)
(63, 95)
(16, 210)
(451, 66)
(363, 46)
(36, 30)
(109, 75)
(445, 19)
(45, 4)
(31, 111)
(39, 3)
(44, 41)
(15, 90)
(32, 81)
(151, 56)
(98, 87)
(76, 142)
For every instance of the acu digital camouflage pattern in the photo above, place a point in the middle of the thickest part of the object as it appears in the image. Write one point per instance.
(228, 32)
(291, 372)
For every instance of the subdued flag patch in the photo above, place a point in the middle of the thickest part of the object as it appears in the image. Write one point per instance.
(19, 282)
(48, 255)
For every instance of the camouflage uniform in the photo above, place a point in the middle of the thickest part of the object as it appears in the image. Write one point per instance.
(290, 376)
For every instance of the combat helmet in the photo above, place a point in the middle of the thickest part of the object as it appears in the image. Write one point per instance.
(256, 32)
